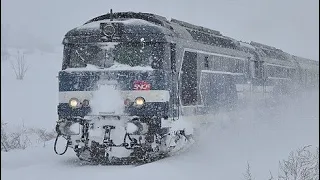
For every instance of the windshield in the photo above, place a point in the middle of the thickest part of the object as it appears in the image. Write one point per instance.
(105, 55)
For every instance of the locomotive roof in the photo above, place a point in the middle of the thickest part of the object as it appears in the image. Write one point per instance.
(127, 30)
(307, 63)
(154, 28)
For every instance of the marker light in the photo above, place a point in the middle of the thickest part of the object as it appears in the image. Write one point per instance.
(127, 102)
(85, 103)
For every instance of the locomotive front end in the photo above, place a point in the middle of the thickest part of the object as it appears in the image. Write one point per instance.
(113, 91)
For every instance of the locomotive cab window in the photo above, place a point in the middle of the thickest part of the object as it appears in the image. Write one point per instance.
(107, 54)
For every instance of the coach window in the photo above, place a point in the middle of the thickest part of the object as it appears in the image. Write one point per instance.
(228, 64)
(206, 62)
(237, 69)
(271, 71)
(241, 66)
(217, 63)
(288, 74)
(225, 63)
(280, 72)
(276, 71)
(233, 65)
(285, 72)
(268, 71)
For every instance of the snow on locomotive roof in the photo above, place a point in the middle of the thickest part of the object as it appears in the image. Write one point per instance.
(96, 24)
(115, 67)
(160, 27)
(118, 66)
(245, 44)
(306, 63)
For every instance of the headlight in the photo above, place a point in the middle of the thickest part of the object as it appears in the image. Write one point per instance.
(74, 102)
(139, 101)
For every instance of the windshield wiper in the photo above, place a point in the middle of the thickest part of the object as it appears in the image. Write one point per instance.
(83, 60)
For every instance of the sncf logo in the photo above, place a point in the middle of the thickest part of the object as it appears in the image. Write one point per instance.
(141, 85)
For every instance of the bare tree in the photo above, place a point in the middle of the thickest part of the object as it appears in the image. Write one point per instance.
(4, 138)
(44, 135)
(300, 165)
(271, 176)
(19, 66)
(248, 175)
(19, 140)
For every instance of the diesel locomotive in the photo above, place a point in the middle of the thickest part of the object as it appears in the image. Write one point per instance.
(129, 81)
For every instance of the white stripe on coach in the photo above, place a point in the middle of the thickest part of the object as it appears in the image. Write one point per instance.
(148, 95)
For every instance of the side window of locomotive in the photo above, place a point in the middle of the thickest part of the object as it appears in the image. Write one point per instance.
(173, 57)
(189, 79)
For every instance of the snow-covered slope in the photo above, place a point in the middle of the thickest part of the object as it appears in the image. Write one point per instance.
(261, 137)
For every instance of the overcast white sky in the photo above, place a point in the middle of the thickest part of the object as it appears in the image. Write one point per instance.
(291, 25)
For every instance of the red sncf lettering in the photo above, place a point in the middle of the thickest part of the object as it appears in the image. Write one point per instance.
(141, 85)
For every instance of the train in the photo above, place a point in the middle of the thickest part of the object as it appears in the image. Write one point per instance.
(129, 81)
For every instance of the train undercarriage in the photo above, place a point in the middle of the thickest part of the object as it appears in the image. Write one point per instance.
(122, 140)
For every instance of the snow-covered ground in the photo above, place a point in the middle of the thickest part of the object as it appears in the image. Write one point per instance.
(260, 137)
(33, 100)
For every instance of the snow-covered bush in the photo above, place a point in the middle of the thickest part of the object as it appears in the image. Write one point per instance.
(302, 164)
(43, 135)
(19, 66)
(4, 138)
(23, 137)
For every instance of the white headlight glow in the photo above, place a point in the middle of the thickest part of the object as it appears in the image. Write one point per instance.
(139, 101)
(74, 102)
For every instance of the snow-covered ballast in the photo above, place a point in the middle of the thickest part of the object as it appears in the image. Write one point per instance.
(114, 88)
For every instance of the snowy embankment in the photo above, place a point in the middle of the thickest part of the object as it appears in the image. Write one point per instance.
(259, 136)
